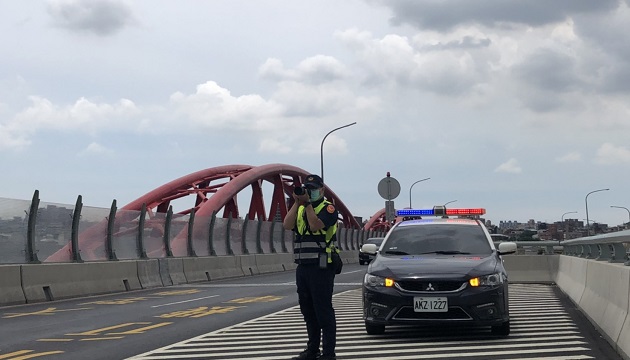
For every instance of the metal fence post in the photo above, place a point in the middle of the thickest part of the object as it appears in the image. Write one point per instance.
(191, 225)
(283, 235)
(31, 253)
(259, 249)
(167, 232)
(211, 250)
(272, 245)
(244, 236)
(76, 217)
(109, 243)
(142, 252)
(228, 246)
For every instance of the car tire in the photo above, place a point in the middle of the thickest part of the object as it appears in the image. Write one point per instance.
(501, 330)
(373, 329)
(361, 262)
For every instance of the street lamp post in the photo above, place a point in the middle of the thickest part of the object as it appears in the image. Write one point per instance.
(452, 201)
(322, 147)
(588, 227)
(621, 207)
(411, 187)
(562, 222)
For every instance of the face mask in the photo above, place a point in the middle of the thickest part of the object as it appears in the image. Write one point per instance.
(314, 195)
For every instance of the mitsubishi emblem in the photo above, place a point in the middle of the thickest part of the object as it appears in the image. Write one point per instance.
(430, 288)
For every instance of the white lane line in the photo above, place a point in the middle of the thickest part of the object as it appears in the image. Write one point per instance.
(184, 301)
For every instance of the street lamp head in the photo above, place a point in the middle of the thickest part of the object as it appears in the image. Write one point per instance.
(321, 148)
(588, 230)
(412, 187)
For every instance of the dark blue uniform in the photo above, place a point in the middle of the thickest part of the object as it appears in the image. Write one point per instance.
(314, 284)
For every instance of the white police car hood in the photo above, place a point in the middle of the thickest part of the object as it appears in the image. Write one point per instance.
(446, 266)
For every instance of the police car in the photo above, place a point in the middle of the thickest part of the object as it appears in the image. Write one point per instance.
(437, 266)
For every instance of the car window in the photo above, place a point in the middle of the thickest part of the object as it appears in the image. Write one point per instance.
(441, 239)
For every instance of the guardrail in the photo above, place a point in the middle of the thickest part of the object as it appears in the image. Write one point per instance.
(611, 247)
(35, 232)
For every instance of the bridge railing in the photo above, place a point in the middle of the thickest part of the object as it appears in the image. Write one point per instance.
(34, 232)
(611, 247)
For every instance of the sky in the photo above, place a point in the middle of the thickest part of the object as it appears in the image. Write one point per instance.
(517, 106)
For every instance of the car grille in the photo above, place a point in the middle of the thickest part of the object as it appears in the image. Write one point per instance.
(454, 313)
(430, 286)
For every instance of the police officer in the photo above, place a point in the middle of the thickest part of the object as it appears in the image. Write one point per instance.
(314, 220)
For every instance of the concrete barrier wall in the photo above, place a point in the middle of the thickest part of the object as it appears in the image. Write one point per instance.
(149, 273)
(605, 300)
(45, 282)
(604, 296)
(211, 268)
(11, 285)
(172, 271)
(531, 268)
(29, 283)
(571, 276)
(267, 263)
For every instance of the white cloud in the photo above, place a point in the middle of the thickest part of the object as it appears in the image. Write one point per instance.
(313, 70)
(213, 106)
(609, 154)
(95, 149)
(570, 157)
(83, 115)
(511, 166)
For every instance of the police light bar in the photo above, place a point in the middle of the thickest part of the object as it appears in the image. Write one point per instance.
(440, 210)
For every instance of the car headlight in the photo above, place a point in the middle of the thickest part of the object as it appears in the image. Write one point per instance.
(487, 280)
(377, 281)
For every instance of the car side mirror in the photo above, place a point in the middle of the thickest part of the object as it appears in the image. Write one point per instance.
(507, 248)
(369, 249)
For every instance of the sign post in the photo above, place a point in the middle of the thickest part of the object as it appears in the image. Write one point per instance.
(389, 189)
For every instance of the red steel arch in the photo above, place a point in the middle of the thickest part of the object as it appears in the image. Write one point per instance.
(283, 177)
(215, 189)
(378, 222)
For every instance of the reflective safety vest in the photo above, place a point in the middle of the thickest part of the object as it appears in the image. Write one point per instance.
(308, 245)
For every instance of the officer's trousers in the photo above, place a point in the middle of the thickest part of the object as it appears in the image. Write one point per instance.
(315, 290)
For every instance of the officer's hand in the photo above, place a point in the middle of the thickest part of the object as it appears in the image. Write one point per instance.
(301, 199)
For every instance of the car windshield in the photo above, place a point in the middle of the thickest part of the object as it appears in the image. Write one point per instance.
(443, 239)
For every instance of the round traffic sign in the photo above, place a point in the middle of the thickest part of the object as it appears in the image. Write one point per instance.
(388, 188)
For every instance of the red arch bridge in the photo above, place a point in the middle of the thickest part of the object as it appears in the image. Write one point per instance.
(210, 197)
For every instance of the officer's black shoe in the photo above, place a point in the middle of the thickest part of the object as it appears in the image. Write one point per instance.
(307, 355)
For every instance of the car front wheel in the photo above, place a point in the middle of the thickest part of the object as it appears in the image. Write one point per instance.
(373, 329)
(361, 262)
(502, 330)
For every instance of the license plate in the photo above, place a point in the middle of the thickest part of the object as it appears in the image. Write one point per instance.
(430, 304)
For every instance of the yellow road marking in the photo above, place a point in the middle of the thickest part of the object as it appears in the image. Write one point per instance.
(30, 356)
(55, 340)
(141, 330)
(199, 312)
(49, 311)
(103, 338)
(21, 352)
(98, 331)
